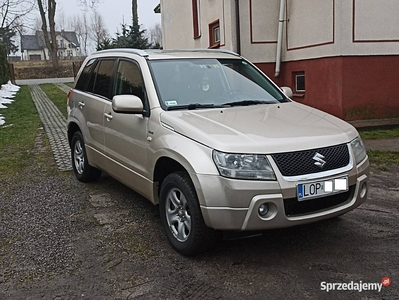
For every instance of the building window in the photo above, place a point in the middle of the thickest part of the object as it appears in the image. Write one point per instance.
(299, 78)
(214, 34)
(196, 18)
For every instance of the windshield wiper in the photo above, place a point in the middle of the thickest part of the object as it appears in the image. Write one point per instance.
(248, 102)
(192, 106)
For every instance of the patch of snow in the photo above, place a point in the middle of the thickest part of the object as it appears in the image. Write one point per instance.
(7, 93)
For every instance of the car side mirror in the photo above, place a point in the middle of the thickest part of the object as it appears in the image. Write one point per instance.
(287, 91)
(128, 104)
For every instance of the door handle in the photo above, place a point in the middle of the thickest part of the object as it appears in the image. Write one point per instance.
(108, 116)
(81, 104)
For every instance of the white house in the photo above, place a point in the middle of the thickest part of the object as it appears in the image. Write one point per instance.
(33, 47)
(340, 56)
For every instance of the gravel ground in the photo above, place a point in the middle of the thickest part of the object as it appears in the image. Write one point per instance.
(60, 239)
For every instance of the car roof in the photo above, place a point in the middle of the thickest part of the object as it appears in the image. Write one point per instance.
(155, 54)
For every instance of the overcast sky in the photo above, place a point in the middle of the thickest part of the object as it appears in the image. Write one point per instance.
(115, 11)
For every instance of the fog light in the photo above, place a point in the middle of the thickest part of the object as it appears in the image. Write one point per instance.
(263, 209)
(363, 190)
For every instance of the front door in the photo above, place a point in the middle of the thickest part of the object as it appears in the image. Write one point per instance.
(126, 134)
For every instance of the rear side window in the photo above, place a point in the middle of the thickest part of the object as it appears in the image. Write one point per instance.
(85, 75)
(129, 80)
(103, 77)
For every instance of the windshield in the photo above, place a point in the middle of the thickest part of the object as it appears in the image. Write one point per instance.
(207, 83)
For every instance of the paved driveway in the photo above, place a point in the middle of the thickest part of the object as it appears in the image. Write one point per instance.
(60, 239)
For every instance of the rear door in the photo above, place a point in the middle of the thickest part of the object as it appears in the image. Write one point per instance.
(97, 88)
(126, 134)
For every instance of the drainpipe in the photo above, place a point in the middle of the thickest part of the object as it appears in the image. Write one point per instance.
(279, 38)
(238, 33)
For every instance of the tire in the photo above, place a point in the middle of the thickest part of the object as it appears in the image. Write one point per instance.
(181, 216)
(83, 171)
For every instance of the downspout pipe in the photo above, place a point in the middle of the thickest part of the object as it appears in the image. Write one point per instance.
(279, 37)
(238, 32)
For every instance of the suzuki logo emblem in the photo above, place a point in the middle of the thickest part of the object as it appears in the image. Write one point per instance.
(320, 162)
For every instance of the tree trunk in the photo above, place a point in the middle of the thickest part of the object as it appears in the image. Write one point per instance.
(135, 13)
(49, 37)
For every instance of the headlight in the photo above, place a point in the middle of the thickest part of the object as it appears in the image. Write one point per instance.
(243, 166)
(358, 149)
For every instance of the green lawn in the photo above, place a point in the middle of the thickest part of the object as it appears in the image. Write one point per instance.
(56, 95)
(17, 135)
(380, 134)
(383, 158)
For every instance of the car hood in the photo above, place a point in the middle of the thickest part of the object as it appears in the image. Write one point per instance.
(270, 128)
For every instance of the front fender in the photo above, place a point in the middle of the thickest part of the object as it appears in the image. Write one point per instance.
(196, 158)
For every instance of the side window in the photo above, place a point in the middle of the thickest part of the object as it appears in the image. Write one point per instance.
(103, 78)
(93, 76)
(129, 80)
(85, 75)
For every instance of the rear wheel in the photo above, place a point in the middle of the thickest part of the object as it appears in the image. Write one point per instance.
(83, 171)
(181, 216)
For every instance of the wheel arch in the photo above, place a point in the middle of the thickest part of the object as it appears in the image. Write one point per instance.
(164, 166)
(72, 128)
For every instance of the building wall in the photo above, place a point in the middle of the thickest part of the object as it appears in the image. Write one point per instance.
(329, 28)
(349, 87)
(178, 31)
(323, 82)
(67, 50)
(348, 50)
(27, 53)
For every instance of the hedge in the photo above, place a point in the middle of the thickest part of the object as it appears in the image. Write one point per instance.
(4, 70)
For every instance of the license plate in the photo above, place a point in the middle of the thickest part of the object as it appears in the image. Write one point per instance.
(320, 189)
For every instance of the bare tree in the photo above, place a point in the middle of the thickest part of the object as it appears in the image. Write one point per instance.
(61, 21)
(13, 11)
(89, 3)
(98, 31)
(36, 25)
(81, 27)
(155, 35)
(85, 35)
(49, 34)
(135, 14)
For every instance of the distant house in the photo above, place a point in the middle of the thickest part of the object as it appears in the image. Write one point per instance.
(347, 52)
(33, 47)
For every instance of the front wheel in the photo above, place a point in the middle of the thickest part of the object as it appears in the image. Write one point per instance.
(83, 171)
(181, 216)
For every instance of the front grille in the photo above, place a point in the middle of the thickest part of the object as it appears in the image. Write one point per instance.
(303, 162)
(293, 207)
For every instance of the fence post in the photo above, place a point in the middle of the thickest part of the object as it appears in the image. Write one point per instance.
(12, 73)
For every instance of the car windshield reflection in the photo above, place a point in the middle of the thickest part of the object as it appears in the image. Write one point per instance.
(192, 83)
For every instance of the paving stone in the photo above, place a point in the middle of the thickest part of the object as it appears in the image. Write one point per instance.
(63, 87)
(54, 124)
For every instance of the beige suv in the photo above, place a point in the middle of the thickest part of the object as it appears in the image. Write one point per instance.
(213, 141)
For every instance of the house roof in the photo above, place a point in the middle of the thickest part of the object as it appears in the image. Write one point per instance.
(70, 36)
(36, 42)
(29, 42)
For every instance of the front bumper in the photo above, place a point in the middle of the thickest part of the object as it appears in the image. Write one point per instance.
(228, 204)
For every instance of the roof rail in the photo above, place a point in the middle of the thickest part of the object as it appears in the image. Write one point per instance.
(145, 53)
(202, 50)
(140, 52)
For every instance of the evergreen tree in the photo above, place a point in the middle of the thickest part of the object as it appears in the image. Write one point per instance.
(7, 38)
(4, 70)
(131, 36)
